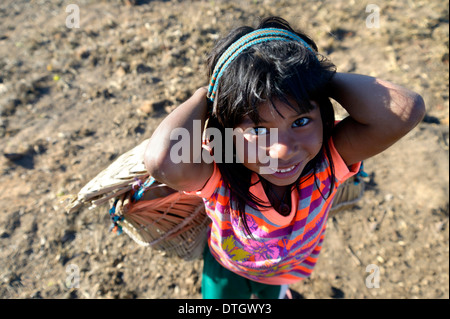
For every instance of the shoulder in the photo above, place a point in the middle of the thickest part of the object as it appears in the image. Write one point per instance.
(213, 183)
(342, 171)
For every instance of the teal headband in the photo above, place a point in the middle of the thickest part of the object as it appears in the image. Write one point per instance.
(252, 38)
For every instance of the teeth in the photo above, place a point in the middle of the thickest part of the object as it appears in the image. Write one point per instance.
(285, 170)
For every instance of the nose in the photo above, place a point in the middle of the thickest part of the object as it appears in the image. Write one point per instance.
(284, 149)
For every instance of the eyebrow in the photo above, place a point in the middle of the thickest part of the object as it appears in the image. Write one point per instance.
(247, 120)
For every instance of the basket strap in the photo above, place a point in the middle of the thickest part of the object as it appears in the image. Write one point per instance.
(115, 226)
(142, 187)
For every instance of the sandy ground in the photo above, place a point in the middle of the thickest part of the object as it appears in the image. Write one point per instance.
(73, 99)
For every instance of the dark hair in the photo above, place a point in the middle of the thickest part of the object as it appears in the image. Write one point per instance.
(266, 72)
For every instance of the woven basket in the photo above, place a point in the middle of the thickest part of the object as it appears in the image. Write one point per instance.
(347, 194)
(165, 219)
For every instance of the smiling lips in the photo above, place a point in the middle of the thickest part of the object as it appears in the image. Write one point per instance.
(286, 169)
(286, 172)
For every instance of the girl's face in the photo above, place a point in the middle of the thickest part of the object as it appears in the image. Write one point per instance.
(280, 159)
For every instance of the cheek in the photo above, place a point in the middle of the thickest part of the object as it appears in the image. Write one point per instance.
(314, 142)
(310, 143)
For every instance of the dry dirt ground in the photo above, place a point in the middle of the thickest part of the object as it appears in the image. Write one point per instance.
(74, 99)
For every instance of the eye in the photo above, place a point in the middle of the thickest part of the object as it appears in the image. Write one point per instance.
(301, 122)
(257, 130)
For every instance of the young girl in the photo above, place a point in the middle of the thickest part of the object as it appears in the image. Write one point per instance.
(268, 222)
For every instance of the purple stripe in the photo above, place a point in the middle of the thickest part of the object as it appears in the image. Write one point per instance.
(309, 263)
(302, 273)
(300, 224)
(224, 232)
(305, 193)
(312, 233)
(282, 232)
(314, 205)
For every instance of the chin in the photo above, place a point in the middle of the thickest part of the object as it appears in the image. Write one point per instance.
(278, 182)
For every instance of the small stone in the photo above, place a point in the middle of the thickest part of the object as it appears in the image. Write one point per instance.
(83, 53)
(120, 72)
(146, 108)
(142, 68)
(8, 106)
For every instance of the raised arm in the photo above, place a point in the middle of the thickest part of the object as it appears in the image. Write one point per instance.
(162, 158)
(380, 114)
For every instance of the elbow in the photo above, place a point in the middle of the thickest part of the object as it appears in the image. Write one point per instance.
(160, 166)
(412, 114)
(417, 112)
(155, 162)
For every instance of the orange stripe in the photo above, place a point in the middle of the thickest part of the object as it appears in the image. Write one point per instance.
(307, 270)
(301, 214)
(312, 259)
(315, 195)
(307, 181)
(222, 200)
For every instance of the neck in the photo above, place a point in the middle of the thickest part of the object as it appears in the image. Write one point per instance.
(279, 197)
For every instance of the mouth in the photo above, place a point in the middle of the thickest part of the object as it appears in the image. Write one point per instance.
(286, 172)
